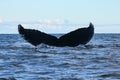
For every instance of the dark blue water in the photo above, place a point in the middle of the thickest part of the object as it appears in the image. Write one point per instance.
(98, 60)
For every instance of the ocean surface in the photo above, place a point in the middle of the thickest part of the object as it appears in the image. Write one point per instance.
(97, 60)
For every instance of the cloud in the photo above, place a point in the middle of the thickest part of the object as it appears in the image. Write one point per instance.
(1, 20)
(59, 21)
(45, 21)
(53, 21)
(54, 26)
(44, 25)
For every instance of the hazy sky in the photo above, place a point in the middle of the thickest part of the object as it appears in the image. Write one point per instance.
(104, 14)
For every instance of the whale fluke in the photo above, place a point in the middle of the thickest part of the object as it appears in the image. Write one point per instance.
(36, 37)
(79, 36)
(73, 38)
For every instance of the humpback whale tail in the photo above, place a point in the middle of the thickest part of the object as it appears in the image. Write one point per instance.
(36, 37)
(79, 36)
(73, 38)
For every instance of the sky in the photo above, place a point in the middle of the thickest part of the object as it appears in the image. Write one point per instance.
(60, 16)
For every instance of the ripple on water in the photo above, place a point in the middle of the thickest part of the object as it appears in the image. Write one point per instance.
(98, 60)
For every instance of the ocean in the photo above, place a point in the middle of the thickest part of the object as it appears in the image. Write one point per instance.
(97, 60)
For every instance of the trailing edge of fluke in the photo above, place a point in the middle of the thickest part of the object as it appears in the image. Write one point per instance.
(72, 39)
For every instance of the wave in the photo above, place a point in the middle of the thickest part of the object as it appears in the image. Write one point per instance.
(24, 45)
